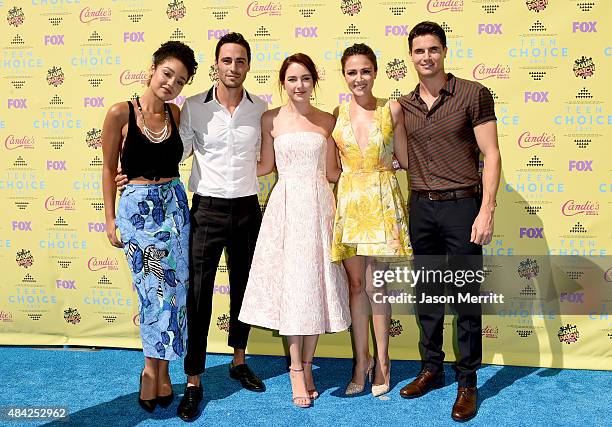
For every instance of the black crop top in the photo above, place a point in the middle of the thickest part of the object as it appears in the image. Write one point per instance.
(141, 157)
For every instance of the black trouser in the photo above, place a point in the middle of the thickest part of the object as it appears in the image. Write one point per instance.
(217, 223)
(440, 233)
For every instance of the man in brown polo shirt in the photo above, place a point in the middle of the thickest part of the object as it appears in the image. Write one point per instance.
(448, 121)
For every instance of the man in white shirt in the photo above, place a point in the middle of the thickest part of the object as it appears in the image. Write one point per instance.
(222, 128)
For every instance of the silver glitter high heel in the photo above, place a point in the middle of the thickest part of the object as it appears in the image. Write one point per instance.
(354, 388)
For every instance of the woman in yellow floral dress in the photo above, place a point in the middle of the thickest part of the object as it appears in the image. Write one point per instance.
(371, 224)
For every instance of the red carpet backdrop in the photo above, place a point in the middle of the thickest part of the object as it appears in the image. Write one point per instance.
(64, 62)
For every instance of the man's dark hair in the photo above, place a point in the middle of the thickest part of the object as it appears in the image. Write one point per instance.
(424, 28)
(233, 38)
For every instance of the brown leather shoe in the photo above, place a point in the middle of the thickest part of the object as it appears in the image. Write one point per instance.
(424, 382)
(465, 406)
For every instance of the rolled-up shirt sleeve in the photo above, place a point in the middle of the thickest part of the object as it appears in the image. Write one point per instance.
(483, 107)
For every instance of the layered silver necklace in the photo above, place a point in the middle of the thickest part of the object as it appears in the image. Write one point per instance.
(152, 135)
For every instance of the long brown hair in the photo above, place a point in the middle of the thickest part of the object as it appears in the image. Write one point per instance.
(298, 58)
(359, 49)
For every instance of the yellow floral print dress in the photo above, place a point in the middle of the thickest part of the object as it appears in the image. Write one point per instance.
(371, 214)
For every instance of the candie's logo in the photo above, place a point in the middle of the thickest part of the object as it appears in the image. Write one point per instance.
(176, 10)
(55, 76)
(568, 334)
(255, 9)
(24, 258)
(528, 140)
(15, 16)
(490, 332)
(88, 14)
(53, 204)
(572, 208)
(93, 139)
(396, 69)
(223, 322)
(584, 67)
(536, 5)
(437, 6)
(6, 316)
(12, 142)
(395, 328)
(528, 268)
(350, 7)
(483, 72)
(128, 77)
(71, 315)
(97, 264)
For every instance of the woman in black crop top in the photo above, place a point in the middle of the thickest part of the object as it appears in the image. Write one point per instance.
(153, 214)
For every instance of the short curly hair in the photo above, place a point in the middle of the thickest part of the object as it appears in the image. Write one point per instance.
(180, 51)
(359, 49)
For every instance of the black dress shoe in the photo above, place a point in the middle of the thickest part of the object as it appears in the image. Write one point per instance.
(246, 377)
(189, 407)
(165, 401)
(147, 405)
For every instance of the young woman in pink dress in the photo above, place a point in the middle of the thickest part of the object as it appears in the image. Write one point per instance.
(293, 285)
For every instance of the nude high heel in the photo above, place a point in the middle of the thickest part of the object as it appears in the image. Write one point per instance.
(380, 389)
(306, 402)
(313, 394)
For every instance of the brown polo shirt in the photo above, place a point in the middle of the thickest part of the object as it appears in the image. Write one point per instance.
(442, 149)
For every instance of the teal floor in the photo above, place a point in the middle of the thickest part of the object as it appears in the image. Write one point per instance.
(99, 388)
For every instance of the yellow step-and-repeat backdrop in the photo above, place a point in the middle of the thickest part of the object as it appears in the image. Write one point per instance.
(64, 62)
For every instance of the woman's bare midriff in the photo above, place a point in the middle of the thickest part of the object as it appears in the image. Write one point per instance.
(143, 180)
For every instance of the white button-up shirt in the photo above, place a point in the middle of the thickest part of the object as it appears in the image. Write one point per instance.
(225, 147)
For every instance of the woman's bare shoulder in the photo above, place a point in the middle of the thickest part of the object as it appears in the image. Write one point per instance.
(119, 111)
(326, 120)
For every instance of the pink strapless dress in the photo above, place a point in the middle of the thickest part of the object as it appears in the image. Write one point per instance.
(293, 285)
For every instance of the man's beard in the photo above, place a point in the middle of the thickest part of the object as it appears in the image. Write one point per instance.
(231, 84)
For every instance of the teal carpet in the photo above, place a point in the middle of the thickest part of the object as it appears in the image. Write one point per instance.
(99, 388)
